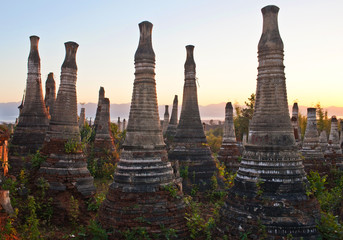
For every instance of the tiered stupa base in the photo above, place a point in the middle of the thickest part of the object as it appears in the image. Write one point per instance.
(26, 141)
(268, 199)
(68, 176)
(139, 196)
(268, 217)
(228, 154)
(197, 166)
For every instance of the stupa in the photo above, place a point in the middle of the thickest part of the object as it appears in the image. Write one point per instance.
(50, 93)
(139, 195)
(172, 125)
(229, 150)
(270, 187)
(33, 122)
(189, 145)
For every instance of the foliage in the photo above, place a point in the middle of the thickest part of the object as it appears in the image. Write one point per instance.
(72, 146)
(96, 232)
(87, 133)
(74, 210)
(101, 167)
(214, 139)
(44, 203)
(172, 190)
(37, 159)
(196, 224)
(302, 123)
(184, 172)
(117, 135)
(329, 226)
(30, 229)
(94, 203)
(323, 122)
(242, 117)
(317, 184)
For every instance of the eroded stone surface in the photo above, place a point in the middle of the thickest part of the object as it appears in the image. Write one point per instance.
(50, 93)
(98, 109)
(165, 120)
(311, 148)
(295, 124)
(82, 118)
(189, 145)
(333, 150)
(103, 142)
(66, 168)
(33, 122)
(229, 151)
(270, 185)
(172, 126)
(137, 196)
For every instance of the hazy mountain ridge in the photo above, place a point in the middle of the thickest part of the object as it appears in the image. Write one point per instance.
(9, 111)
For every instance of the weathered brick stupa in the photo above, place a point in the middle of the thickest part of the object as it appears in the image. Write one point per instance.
(334, 150)
(311, 149)
(172, 125)
(190, 146)
(229, 151)
(165, 120)
(323, 140)
(82, 119)
(98, 109)
(138, 198)
(65, 167)
(103, 142)
(50, 93)
(270, 186)
(295, 124)
(33, 119)
(124, 124)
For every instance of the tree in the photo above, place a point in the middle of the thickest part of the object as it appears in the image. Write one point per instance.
(243, 116)
(323, 122)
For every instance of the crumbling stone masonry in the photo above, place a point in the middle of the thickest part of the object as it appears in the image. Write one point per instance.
(296, 125)
(270, 185)
(172, 125)
(82, 119)
(229, 151)
(98, 109)
(65, 168)
(103, 143)
(323, 140)
(139, 195)
(29, 134)
(50, 93)
(333, 151)
(165, 120)
(311, 148)
(190, 146)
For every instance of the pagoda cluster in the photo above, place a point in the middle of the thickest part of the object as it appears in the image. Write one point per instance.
(160, 163)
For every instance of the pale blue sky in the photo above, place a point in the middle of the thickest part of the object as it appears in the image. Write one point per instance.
(225, 34)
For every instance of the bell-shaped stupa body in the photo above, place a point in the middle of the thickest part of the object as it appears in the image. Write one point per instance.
(295, 124)
(33, 122)
(98, 109)
(323, 140)
(144, 172)
(229, 150)
(82, 118)
(189, 145)
(50, 93)
(65, 168)
(103, 146)
(311, 148)
(172, 125)
(334, 149)
(165, 120)
(269, 188)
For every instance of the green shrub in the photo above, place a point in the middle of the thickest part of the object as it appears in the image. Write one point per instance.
(37, 160)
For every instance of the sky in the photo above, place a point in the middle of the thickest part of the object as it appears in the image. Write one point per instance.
(225, 35)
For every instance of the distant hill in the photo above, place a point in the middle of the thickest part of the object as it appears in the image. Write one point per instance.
(9, 111)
